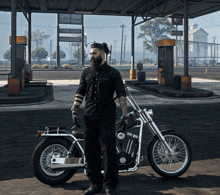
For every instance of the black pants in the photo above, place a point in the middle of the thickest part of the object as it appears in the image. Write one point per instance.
(99, 136)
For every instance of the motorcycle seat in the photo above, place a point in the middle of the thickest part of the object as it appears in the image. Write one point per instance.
(78, 134)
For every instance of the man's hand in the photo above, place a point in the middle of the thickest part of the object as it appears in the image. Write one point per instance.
(123, 123)
(75, 119)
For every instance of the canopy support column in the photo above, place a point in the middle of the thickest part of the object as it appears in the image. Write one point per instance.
(13, 38)
(58, 43)
(132, 70)
(186, 43)
(29, 39)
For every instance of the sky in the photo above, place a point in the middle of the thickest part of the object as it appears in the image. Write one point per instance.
(99, 29)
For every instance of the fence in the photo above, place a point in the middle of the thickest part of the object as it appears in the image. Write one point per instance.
(200, 53)
(4, 65)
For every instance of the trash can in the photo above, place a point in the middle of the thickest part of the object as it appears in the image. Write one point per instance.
(140, 66)
(141, 76)
(176, 82)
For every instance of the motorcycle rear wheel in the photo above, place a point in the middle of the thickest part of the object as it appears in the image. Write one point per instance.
(41, 158)
(166, 164)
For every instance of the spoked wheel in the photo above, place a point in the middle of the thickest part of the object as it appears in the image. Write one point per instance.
(165, 163)
(41, 160)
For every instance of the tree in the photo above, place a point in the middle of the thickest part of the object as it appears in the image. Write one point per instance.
(39, 53)
(146, 60)
(62, 54)
(37, 37)
(154, 30)
(78, 53)
(7, 54)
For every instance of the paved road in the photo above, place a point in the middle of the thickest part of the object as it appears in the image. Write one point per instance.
(151, 72)
(212, 73)
(197, 119)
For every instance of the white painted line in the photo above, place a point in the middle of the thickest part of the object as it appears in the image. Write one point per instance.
(198, 80)
(64, 82)
(76, 81)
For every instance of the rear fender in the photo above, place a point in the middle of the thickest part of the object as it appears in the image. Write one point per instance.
(66, 139)
(55, 133)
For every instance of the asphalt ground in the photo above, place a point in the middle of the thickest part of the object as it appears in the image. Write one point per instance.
(151, 72)
(196, 118)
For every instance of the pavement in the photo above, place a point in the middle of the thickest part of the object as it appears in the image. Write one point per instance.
(42, 90)
(197, 118)
(35, 91)
(152, 85)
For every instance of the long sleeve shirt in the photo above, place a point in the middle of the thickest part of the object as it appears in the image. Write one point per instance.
(99, 89)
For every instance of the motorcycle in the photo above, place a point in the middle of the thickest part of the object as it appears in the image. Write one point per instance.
(57, 157)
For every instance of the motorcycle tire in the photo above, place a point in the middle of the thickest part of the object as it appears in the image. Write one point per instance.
(41, 158)
(166, 164)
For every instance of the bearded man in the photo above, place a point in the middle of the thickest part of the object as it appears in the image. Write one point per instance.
(98, 84)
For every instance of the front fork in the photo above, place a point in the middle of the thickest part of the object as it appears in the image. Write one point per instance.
(154, 129)
(146, 119)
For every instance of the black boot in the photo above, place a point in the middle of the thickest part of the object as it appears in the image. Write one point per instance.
(110, 191)
(93, 189)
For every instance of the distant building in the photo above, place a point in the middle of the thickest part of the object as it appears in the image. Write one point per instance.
(198, 40)
(197, 34)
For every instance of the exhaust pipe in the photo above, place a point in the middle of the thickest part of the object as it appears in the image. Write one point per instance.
(66, 166)
(66, 163)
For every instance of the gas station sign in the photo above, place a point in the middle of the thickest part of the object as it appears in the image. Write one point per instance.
(71, 19)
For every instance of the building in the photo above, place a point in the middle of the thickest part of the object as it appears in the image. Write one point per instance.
(198, 40)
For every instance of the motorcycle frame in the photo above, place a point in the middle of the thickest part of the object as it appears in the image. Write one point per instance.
(144, 118)
(76, 141)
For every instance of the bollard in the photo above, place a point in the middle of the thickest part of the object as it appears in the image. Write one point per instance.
(132, 74)
(31, 75)
(186, 83)
(13, 86)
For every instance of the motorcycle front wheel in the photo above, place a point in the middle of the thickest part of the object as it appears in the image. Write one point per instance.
(41, 159)
(166, 164)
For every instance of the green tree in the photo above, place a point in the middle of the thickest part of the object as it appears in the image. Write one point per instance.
(154, 30)
(37, 37)
(78, 54)
(7, 54)
(146, 60)
(39, 53)
(62, 54)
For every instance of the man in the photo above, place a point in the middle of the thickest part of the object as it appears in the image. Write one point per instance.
(98, 83)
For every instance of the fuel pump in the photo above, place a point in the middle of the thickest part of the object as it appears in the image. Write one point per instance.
(17, 82)
(165, 61)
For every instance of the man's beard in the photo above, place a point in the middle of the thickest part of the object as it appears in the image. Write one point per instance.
(95, 63)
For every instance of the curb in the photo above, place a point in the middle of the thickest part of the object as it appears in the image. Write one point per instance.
(34, 92)
(169, 91)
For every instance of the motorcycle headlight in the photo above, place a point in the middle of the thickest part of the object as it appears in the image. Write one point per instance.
(150, 112)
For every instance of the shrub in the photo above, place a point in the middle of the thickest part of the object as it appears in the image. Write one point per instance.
(66, 66)
(35, 66)
(46, 66)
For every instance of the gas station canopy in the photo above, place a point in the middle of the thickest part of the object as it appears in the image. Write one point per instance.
(146, 9)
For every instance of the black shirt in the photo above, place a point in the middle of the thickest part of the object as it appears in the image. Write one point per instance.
(99, 89)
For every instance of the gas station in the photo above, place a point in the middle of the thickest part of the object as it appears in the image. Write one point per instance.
(196, 118)
(21, 72)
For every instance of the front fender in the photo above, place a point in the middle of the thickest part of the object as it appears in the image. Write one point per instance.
(154, 137)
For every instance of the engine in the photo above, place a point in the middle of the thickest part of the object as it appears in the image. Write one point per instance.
(127, 146)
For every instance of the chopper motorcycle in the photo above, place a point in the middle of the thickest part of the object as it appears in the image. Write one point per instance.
(57, 157)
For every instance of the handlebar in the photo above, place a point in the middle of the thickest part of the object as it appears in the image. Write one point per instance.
(131, 100)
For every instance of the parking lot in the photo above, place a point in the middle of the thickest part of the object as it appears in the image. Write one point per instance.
(196, 118)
